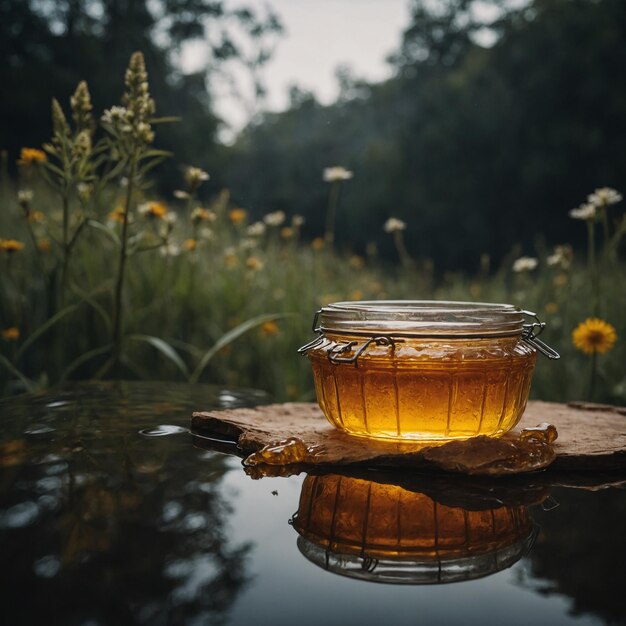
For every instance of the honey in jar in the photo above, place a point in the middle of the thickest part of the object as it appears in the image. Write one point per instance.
(422, 370)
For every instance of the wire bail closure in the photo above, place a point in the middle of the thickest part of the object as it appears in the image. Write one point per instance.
(531, 338)
(335, 351)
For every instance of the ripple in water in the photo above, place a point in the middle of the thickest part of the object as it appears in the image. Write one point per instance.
(162, 430)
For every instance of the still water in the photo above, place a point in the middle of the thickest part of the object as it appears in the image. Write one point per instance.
(111, 512)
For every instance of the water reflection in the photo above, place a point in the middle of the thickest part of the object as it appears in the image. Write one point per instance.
(385, 533)
(108, 515)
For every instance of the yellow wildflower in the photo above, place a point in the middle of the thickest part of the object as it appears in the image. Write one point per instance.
(356, 262)
(11, 245)
(155, 210)
(551, 307)
(28, 156)
(594, 336)
(269, 328)
(36, 216)
(190, 245)
(117, 214)
(11, 334)
(357, 294)
(237, 216)
(44, 245)
(286, 232)
(254, 263)
(317, 243)
(202, 215)
(231, 260)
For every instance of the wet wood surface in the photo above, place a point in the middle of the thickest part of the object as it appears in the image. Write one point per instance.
(590, 438)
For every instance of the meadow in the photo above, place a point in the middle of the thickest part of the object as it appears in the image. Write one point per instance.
(103, 278)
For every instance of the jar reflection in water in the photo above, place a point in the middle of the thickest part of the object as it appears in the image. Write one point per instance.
(422, 370)
(384, 532)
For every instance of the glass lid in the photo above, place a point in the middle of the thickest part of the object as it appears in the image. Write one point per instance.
(421, 318)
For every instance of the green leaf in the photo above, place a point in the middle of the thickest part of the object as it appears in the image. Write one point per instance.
(150, 165)
(27, 383)
(165, 349)
(107, 231)
(165, 120)
(230, 336)
(43, 328)
(156, 153)
(83, 358)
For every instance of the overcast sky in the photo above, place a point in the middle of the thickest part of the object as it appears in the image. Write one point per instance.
(319, 36)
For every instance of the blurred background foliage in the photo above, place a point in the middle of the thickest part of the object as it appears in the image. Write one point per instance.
(481, 150)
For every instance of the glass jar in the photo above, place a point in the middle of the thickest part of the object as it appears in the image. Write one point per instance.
(424, 370)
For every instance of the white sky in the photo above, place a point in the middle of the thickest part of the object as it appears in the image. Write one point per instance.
(319, 36)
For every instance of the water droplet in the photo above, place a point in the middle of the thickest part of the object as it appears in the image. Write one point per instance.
(19, 515)
(54, 405)
(47, 566)
(39, 429)
(163, 429)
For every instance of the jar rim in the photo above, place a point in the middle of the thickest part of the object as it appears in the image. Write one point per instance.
(422, 318)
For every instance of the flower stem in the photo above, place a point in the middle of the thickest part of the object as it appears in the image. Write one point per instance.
(593, 270)
(333, 201)
(117, 331)
(593, 375)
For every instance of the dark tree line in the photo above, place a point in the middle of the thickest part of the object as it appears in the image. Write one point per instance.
(476, 148)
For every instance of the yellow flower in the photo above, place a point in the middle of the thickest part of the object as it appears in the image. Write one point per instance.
(11, 245)
(317, 243)
(28, 156)
(11, 334)
(202, 215)
(116, 215)
(594, 336)
(254, 263)
(190, 245)
(237, 216)
(44, 245)
(357, 294)
(36, 216)
(551, 307)
(153, 209)
(357, 262)
(269, 328)
(286, 232)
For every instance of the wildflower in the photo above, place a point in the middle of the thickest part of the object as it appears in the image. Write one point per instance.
(274, 219)
(248, 244)
(256, 230)
(594, 336)
(36, 216)
(114, 115)
(254, 263)
(117, 214)
(155, 210)
(80, 103)
(336, 173)
(561, 257)
(202, 215)
(584, 212)
(297, 221)
(84, 190)
(11, 334)
(551, 307)
(190, 245)
(195, 177)
(560, 280)
(525, 264)
(182, 195)
(44, 245)
(393, 225)
(356, 262)
(357, 294)
(25, 197)
(604, 196)
(269, 328)
(317, 243)
(206, 233)
(11, 245)
(237, 216)
(286, 232)
(28, 156)
(169, 249)
(231, 259)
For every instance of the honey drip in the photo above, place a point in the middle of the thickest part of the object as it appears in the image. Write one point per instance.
(428, 390)
(286, 452)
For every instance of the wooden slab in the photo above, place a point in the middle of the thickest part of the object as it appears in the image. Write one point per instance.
(591, 437)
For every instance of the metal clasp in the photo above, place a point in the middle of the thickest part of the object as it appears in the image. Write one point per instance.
(531, 338)
(335, 352)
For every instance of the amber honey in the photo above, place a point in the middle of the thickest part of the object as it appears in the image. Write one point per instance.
(422, 370)
(428, 390)
(348, 516)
